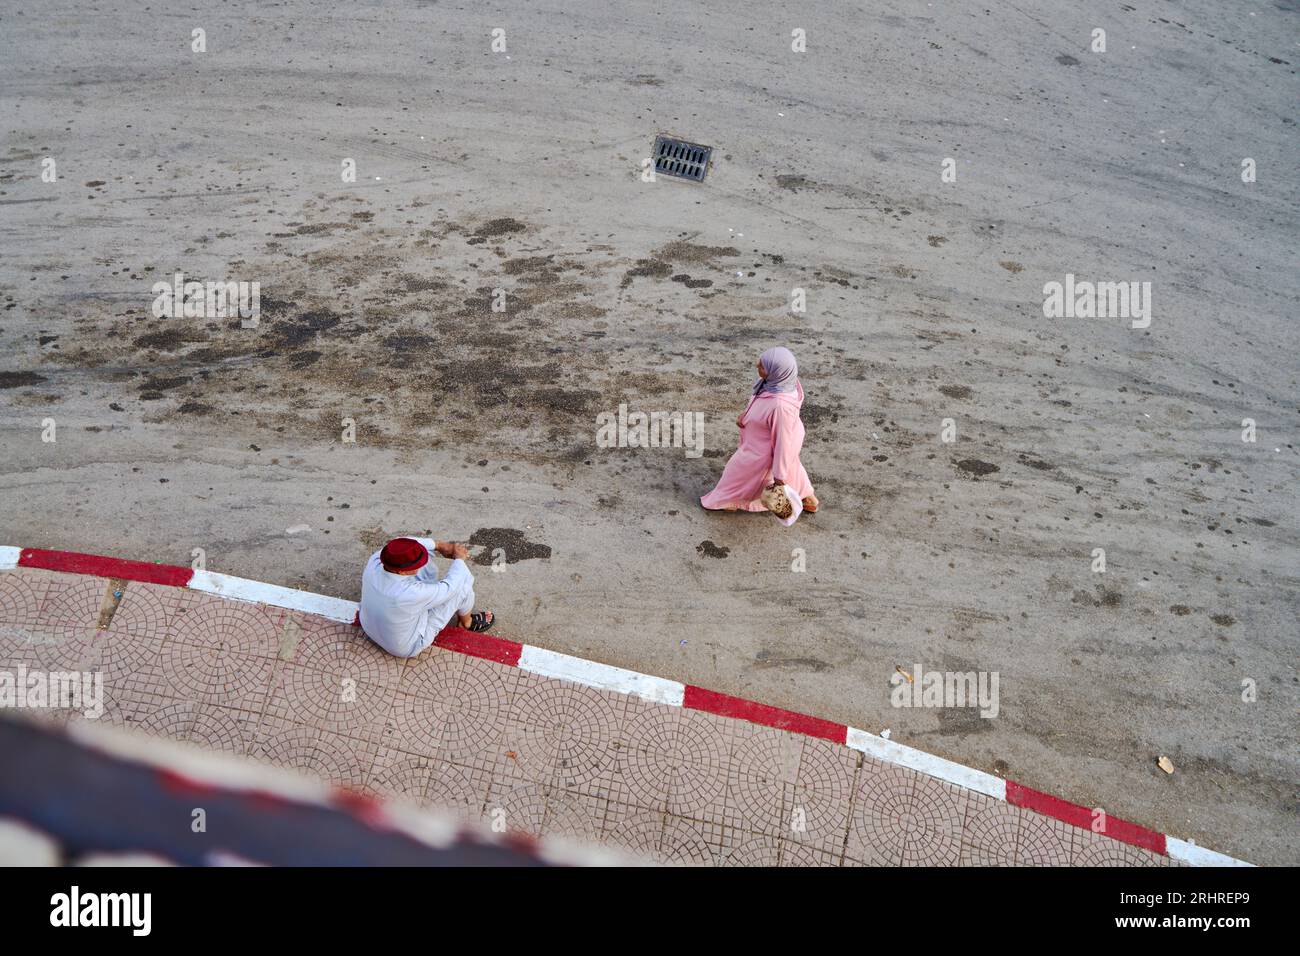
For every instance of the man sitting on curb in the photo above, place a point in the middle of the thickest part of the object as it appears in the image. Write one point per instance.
(404, 605)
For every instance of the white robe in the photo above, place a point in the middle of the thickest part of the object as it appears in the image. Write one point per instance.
(403, 613)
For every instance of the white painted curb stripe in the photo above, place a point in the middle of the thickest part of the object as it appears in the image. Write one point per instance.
(9, 558)
(546, 663)
(241, 589)
(922, 762)
(1186, 852)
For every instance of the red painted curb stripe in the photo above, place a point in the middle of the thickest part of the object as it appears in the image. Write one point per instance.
(724, 705)
(1081, 817)
(75, 563)
(479, 645)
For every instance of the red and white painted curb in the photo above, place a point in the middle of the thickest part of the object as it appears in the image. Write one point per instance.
(545, 663)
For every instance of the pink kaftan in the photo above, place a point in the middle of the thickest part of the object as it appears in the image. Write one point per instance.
(771, 435)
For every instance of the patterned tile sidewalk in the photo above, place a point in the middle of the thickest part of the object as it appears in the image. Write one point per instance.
(493, 743)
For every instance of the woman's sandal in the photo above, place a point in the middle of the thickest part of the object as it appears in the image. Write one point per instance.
(478, 622)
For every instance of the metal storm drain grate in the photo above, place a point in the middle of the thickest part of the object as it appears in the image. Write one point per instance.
(675, 157)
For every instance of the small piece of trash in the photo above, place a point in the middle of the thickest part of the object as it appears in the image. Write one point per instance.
(905, 674)
(885, 733)
(512, 755)
(1165, 764)
(297, 529)
(117, 594)
(681, 644)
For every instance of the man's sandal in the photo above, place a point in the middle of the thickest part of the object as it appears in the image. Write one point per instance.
(478, 622)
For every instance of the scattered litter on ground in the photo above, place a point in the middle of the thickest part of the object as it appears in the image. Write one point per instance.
(1165, 764)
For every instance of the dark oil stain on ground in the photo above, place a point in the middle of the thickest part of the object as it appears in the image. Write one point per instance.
(316, 228)
(646, 268)
(711, 550)
(509, 540)
(298, 330)
(303, 359)
(575, 401)
(1036, 463)
(164, 384)
(499, 227)
(682, 251)
(690, 283)
(817, 414)
(1104, 598)
(973, 466)
(420, 284)
(169, 340)
(527, 264)
(956, 391)
(19, 379)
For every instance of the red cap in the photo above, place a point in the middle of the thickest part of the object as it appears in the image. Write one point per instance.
(404, 554)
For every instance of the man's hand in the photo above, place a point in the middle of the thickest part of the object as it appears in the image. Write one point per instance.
(459, 551)
(445, 548)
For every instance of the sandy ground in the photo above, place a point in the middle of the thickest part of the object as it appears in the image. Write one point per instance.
(520, 170)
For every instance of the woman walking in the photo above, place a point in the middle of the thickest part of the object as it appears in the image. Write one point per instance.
(771, 436)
